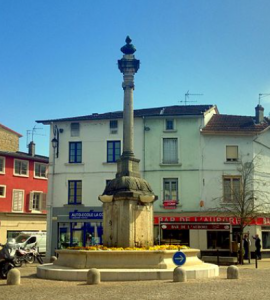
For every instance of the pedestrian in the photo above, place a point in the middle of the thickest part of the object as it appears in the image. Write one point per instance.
(246, 244)
(258, 246)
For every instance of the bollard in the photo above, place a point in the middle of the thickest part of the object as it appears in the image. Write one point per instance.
(179, 275)
(93, 276)
(52, 259)
(14, 277)
(232, 272)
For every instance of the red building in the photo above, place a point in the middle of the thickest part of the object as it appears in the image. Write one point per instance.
(23, 187)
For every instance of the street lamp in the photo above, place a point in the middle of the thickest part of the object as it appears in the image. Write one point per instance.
(55, 146)
(54, 143)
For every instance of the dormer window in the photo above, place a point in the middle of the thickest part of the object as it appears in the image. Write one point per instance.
(75, 129)
(113, 126)
(169, 124)
(231, 153)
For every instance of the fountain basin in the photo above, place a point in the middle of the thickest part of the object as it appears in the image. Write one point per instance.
(126, 259)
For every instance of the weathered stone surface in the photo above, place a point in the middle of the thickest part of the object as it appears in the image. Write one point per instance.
(125, 259)
(135, 185)
(93, 276)
(232, 272)
(14, 277)
(179, 275)
(52, 259)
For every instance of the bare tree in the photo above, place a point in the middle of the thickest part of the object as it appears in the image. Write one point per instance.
(245, 196)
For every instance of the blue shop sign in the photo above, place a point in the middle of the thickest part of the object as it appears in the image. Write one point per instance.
(85, 215)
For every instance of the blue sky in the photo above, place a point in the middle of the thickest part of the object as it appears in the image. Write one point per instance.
(58, 58)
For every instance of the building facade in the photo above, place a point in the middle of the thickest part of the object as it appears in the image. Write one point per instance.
(23, 188)
(186, 159)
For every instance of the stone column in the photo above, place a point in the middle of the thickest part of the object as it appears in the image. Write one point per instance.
(128, 199)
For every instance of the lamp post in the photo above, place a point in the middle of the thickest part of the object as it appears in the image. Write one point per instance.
(55, 144)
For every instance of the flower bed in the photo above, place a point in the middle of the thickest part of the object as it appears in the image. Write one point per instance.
(104, 248)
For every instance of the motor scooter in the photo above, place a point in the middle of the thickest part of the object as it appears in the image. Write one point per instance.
(7, 254)
(23, 256)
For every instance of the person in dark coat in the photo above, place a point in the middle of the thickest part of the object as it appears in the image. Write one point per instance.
(246, 244)
(258, 246)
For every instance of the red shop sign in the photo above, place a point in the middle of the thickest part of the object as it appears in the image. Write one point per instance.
(210, 219)
(196, 226)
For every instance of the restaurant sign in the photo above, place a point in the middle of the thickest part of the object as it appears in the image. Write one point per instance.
(210, 219)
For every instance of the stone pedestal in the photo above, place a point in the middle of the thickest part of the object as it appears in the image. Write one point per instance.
(128, 223)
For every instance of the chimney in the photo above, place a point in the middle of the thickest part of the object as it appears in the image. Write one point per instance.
(259, 114)
(32, 148)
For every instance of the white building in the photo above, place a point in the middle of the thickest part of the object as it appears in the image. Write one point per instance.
(182, 152)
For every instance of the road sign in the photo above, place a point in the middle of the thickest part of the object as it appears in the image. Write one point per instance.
(179, 258)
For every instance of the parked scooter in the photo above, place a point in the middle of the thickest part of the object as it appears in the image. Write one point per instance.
(7, 254)
(23, 256)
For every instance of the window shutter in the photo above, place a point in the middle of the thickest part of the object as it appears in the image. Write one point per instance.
(232, 153)
(170, 151)
(17, 204)
(31, 196)
(43, 201)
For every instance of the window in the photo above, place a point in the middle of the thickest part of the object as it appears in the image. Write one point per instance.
(17, 200)
(113, 151)
(231, 153)
(74, 192)
(40, 170)
(2, 191)
(266, 239)
(218, 240)
(21, 167)
(169, 124)
(170, 189)
(37, 201)
(75, 129)
(75, 152)
(113, 126)
(170, 151)
(2, 165)
(231, 188)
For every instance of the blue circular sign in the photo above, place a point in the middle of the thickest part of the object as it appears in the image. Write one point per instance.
(179, 258)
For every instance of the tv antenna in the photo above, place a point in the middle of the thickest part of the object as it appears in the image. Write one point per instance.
(187, 94)
(32, 133)
(262, 96)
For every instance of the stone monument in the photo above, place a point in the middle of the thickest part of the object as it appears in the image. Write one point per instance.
(128, 199)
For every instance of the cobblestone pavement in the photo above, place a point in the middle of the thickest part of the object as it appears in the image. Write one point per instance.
(253, 284)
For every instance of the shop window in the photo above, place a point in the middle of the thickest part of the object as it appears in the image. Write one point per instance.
(170, 151)
(218, 239)
(21, 167)
(231, 153)
(179, 237)
(74, 192)
(75, 129)
(2, 165)
(40, 170)
(113, 151)
(75, 152)
(231, 189)
(266, 239)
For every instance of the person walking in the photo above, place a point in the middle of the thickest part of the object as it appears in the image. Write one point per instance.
(258, 246)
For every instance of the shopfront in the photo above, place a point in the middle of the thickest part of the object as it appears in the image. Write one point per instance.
(209, 233)
(78, 228)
